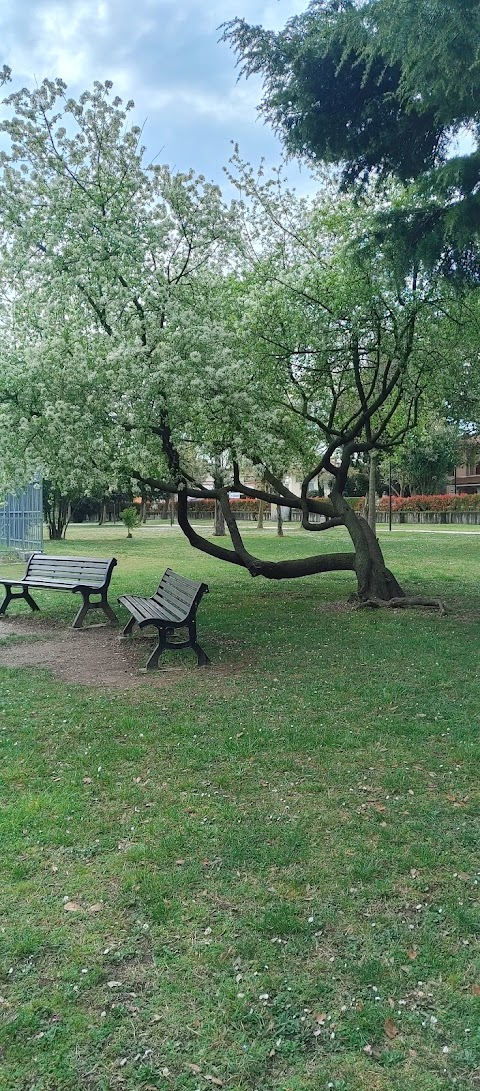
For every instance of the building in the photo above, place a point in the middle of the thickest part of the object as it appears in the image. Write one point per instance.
(466, 478)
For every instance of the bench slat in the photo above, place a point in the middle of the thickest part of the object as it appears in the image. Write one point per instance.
(72, 576)
(59, 583)
(181, 581)
(72, 573)
(169, 593)
(168, 612)
(47, 559)
(62, 562)
(148, 608)
(71, 580)
(183, 585)
(166, 598)
(79, 570)
(165, 594)
(143, 609)
(36, 567)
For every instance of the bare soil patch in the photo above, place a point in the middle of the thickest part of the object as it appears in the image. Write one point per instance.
(93, 656)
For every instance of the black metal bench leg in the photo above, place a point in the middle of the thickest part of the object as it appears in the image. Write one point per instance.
(202, 657)
(82, 613)
(152, 663)
(31, 602)
(88, 605)
(10, 595)
(8, 598)
(128, 627)
(107, 609)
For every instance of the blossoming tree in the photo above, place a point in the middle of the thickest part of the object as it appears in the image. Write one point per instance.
(147, 328)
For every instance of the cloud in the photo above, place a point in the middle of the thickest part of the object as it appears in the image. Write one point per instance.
(240, 104)
(165, 54)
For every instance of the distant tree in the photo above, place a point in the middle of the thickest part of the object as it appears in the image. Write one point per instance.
(57, 510)
(131, 519)
(426, 458)
(379, 88)
(358, 479)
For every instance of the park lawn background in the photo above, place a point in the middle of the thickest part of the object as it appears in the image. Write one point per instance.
(275, 862)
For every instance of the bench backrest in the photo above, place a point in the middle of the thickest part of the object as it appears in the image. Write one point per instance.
(179, 595)
(91, 571)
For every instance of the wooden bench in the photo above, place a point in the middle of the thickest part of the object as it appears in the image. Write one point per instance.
(172, 607)
(87, 575)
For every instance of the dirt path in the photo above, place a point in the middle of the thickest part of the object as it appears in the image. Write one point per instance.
(94, 656)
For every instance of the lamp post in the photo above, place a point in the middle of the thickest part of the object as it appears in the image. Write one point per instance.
(390, 493)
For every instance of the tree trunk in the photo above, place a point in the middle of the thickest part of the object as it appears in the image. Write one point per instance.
(57, 512)
(219, 521)
(372, 498)
(374, 579)
(279, 522)
(55, 531)
(261, 506)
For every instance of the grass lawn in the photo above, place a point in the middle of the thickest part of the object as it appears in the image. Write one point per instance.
(262, 877)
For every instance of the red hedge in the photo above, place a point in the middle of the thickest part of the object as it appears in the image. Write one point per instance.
(440, 502)
(207, 507)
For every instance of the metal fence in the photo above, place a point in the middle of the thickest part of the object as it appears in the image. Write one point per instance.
(21, 521)
(467, 518)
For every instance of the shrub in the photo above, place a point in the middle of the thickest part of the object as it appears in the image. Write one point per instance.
(207, 507)
(441, 502)
(130, 518)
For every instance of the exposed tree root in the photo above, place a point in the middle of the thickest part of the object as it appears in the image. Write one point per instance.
(401, 603)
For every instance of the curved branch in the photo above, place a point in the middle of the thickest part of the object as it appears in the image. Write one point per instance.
(285, 498)
(169, 486)
(237, 541)
(327, 525)
(271, 570)
(305, 566)
(196, 540)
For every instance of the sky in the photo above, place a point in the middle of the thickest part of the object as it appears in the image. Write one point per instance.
(163, 54)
